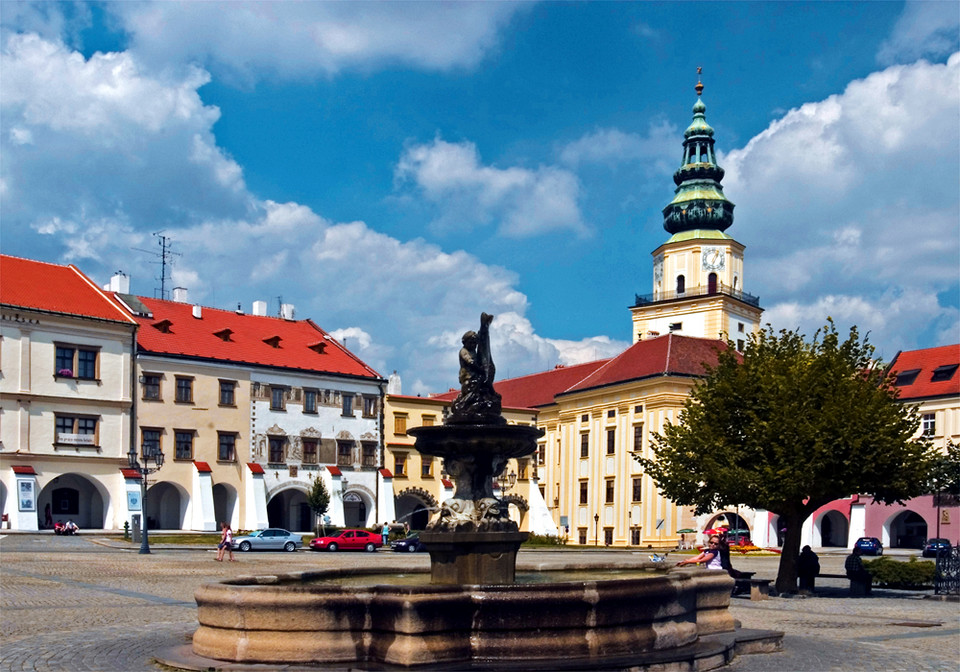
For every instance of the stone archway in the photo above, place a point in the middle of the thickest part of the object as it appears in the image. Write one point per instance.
(906, 529)
(518, 507)
(288, 509)
(166, 506)
(415, 506)
(74, 497)
(225, 505)
(833, 530)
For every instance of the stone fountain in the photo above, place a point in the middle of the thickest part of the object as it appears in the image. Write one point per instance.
(470, 613)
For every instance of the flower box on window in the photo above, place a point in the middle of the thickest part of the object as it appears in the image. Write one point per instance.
(65, 372)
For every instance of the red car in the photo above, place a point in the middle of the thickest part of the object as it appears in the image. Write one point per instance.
(348, 540)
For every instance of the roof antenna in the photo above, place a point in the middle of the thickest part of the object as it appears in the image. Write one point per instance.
(166, 255)
(699, 86)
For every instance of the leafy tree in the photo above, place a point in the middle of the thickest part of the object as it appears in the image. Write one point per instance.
(319, 500)
(788, 427)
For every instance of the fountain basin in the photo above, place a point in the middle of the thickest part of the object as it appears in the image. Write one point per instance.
(300, 618)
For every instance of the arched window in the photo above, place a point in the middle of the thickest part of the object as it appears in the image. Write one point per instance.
(681, 284)
(712, 283)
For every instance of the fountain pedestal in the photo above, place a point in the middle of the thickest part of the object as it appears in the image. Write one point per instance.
(488, 558)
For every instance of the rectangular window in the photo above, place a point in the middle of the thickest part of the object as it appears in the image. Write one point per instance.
(429, 420)
(185, 390)
(226, 447)
(426, 467)
(584, 492)
(400, 464)
(582, 536)
(611, 441)
(929, 424)
(585, 417)
(278, 398)
(348, 404)
(344, 453)
(740, 327)
(676, 326)
(541, 454)
(740, 345)
(276, 455)
(944, 372)
(611, 413)
(608, 491)
(637, 438)
(73, 361)
(369, 407)
(585, 445)
(151, 387)
(149, 443)
(183, 442)
(522, 469)
(637, 489)
(309, 451)
(608, 536)
(400, 424)
(638, 409)
(76, 430)
(228, 395)
(309, 401)
(635, 537)
(369, 454)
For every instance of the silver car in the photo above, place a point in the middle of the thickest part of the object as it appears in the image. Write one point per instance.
(271, 539)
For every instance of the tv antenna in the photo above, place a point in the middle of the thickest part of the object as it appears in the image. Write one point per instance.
(165, 256)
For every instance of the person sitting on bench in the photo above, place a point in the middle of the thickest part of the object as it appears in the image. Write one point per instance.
(710, 557)
(857, 573)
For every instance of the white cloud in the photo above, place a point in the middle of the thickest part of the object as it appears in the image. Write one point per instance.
(466, 193)
(925, 29)
(611, 146)
(252, 40)
(849, 206)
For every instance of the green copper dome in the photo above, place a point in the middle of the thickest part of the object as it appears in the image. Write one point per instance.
(698, 201)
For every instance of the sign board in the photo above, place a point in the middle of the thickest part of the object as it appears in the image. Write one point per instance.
(660, 522)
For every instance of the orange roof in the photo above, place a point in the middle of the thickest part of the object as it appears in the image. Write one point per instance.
(53, 288)
(670, 355)
(249, 339)
(931, 372)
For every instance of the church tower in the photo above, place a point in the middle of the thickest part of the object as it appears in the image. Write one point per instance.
(698, 287)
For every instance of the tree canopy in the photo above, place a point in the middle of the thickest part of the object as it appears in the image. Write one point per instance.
(318, 499)
(789, 426)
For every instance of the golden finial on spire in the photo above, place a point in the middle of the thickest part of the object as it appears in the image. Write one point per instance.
(699, 86)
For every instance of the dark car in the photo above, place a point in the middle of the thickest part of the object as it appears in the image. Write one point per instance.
(869, 546)
(271, 539)
(935, 546)
(411, 544)
(348, 540)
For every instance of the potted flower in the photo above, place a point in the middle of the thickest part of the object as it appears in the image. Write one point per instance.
(65, 372)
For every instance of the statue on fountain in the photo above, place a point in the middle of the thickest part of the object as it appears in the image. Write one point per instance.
(478, 403)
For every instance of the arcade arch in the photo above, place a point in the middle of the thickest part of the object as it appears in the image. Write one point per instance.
(166, 506)
(831, 529)
(290, 510)
(905, 529)
(74, 497)
(225, 505)
(414, 506)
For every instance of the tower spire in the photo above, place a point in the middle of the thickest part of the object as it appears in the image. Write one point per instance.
(698, 201)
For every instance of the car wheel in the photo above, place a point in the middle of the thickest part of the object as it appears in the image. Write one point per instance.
(412, 548)
(289, 547)
(245, 546)
(332, 547)
(370, 548)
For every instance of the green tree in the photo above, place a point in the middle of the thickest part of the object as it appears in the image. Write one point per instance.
(788, 427)
(319, 500)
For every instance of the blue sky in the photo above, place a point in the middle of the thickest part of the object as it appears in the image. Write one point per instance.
(392, 169)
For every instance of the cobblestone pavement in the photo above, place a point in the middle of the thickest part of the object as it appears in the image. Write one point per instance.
(90, 604)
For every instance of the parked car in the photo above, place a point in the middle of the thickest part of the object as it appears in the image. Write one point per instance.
(348, 540)
(411, 543)
(935, 546)
(271, 539)
(869, 545)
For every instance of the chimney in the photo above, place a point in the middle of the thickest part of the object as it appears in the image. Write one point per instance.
(286, 311)
(198, 312)
(119, 282)
(259, 308)
(180, 294)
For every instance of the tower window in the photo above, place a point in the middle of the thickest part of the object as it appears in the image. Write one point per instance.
(712, 283)
(676, 326)
(681, 284)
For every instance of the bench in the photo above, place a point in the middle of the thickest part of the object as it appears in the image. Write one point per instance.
(857, 588)
(759, 588)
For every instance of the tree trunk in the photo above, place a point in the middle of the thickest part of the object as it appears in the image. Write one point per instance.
(787, 574)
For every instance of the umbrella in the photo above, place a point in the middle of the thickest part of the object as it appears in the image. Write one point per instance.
(685, 530)
(711, 531)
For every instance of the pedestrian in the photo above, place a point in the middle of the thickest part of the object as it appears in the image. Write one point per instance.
(709, 557)
(808, 567)
(226, 542)
(47, 517)
(856, 572)
(385, 532)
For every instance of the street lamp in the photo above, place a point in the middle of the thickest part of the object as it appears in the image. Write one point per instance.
(155, 454)
(596, 528)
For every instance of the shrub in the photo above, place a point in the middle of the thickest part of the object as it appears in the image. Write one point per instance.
(895, 574)
(544, 540)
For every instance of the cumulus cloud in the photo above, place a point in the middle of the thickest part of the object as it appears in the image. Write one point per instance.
(851, 203)
(251, 40)
(611, 146)
(467, 193)
(925, 29)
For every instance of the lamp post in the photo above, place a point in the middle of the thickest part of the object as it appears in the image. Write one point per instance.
(147, 454)
(596, 528)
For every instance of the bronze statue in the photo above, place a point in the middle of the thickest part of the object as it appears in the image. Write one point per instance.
(478, 403)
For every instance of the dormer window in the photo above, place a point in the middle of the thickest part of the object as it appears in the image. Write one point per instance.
(944, 372)
(163, 326)
(273, 341)
(319, 347)
(224, 334)
(906, 377)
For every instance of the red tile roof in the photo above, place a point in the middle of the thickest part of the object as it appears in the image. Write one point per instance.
(386, 473)
(334, 471)
(23, 470)
(130, 473)
(54, 288)
(250, 339)
(254, 468)
(202, 467)
(931, 372)
(670, 355)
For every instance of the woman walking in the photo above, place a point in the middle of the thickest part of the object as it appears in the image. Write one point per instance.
(226, 542)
